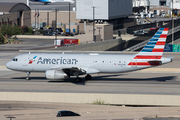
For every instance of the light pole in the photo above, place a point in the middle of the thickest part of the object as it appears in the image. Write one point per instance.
(47, 19)
(56, 24)
(172, 24)
(27, 2)
(69, 19)
(93, 24)
(35, 19)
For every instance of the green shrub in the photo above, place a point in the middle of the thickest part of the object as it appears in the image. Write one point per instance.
(100, 102)
(41, 31)
(1, 38)
(28, 33)
(30, 30)
(8, 31)
(3, 29)
(16, 30)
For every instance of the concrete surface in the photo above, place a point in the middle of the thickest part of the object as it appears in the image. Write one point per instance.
(125, 37)
(48, 111)
(41, 37)
(83, 98)
(135, 88)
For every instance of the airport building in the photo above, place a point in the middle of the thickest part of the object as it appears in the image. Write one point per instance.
(108, 15)
(157, 7)
(107, 11)
(15, 14)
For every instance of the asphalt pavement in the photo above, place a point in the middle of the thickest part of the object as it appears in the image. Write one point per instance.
(119, 83)
(29, 44)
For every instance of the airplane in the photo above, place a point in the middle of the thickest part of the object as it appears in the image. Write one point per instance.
(61, 66)
(53, 1)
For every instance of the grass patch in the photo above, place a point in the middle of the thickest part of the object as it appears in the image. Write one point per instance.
(100, 102)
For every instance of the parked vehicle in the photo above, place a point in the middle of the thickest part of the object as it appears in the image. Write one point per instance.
(59, 29)
(66, 42)
(66, 113)
(70, 41)
(139, 32)
(58, 33)
(51, 28)
(154, 28)
(48, 33)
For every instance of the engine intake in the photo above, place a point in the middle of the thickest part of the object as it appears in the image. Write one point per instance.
(55, 75)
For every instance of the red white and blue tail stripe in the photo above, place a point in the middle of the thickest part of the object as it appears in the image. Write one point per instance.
(153, 50)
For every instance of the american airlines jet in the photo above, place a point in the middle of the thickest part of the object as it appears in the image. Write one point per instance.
(62, 66)
(53, 1)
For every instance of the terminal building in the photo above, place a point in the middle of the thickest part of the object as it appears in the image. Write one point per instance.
(104, 11)
(78, 17)
(157, 7)
(15, 14)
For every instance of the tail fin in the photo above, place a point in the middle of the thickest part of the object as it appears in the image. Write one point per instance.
(155, 47)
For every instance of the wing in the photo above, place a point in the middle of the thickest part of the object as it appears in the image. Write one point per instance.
(74, 71)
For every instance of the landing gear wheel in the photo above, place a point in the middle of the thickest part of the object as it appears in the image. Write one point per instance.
(88, 77)
(78, 79)
(28, 73)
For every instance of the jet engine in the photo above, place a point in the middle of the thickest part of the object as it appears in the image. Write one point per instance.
(55, 75)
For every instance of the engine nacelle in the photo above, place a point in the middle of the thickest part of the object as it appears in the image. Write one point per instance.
(55, 75)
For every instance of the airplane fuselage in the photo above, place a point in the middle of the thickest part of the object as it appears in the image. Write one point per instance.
(102, 63)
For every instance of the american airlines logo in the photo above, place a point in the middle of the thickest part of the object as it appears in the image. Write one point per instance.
(31, 61)
(56, 61)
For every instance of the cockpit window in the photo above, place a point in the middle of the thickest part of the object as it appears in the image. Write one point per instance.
(15, 59)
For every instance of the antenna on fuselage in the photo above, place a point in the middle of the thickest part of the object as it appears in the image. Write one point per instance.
(30, 52)
(63, 53)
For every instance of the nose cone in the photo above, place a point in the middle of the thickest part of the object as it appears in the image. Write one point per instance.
(8, 65)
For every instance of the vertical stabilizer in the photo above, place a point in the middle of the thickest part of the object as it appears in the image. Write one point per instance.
(152, 53)
(155, 47)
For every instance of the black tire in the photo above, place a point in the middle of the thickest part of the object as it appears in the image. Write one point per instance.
(88, 77)
(78, 79)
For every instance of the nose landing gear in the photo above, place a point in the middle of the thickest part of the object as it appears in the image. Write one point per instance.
(28, 73)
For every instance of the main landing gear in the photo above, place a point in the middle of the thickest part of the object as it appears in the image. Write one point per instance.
(28, 73)
(87, 77)
(78, 79)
